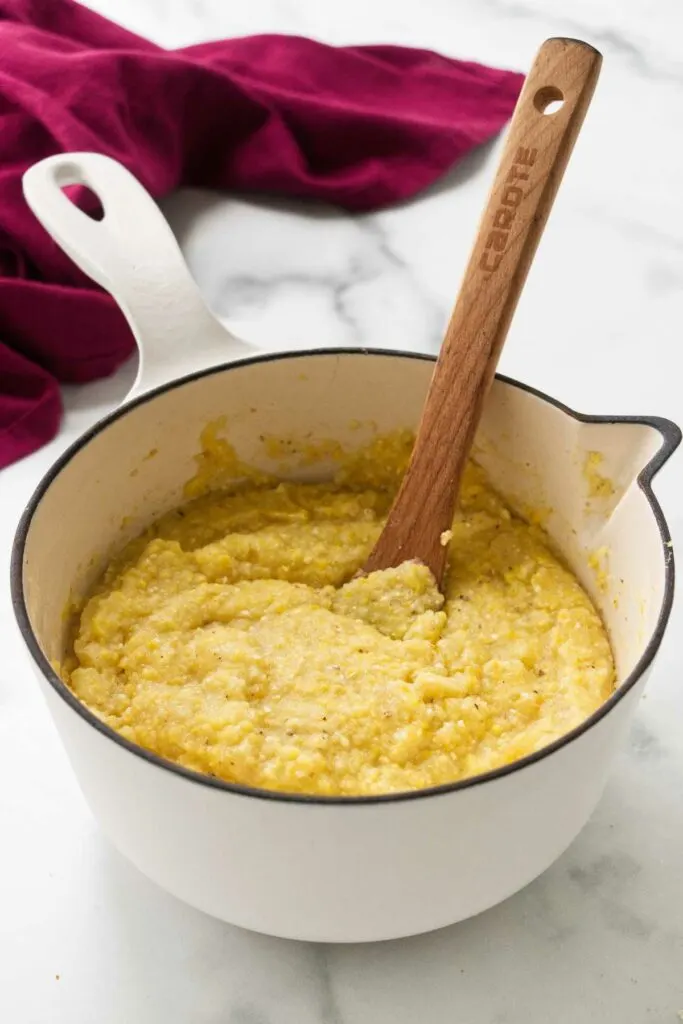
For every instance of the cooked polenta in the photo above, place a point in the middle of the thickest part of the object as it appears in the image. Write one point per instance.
(233, 639)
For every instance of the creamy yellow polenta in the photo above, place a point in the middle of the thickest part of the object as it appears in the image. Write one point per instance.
(233, 639)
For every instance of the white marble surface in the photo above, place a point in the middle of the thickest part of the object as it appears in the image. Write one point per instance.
(599, 938)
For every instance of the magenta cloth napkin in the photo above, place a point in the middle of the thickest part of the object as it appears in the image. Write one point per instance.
(358, 126)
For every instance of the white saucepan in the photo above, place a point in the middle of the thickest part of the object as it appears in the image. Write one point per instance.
(327, 869)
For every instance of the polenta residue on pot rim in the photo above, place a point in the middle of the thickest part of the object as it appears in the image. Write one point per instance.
(233, 638)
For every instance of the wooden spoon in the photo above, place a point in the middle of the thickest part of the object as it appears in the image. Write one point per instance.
(538, 146)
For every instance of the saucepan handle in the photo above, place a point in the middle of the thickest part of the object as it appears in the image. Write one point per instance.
(132, 253)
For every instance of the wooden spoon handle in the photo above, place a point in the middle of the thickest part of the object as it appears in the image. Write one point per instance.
(538, 146)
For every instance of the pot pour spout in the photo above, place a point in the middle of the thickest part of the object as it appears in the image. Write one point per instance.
(621, 451)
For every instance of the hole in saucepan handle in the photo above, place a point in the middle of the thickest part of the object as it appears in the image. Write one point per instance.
(549, 99)
(85, 199)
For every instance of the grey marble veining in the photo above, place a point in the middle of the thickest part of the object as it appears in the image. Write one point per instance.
(598, 939)
(597, 23)
(319, 275)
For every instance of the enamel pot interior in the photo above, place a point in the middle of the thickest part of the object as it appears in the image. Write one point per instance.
(133, 467)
